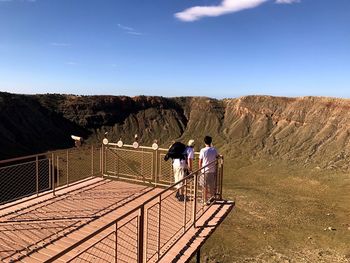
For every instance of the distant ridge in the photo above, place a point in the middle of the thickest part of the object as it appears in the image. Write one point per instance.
(309, 130)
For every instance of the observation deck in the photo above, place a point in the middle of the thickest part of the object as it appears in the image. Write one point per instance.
(106, 204)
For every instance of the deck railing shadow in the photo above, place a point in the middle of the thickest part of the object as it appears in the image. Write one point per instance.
(35, 175)
(145, 233)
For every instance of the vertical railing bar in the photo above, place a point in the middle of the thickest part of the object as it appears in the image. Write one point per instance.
(100, 168)
(156, 171)
(118, 163)
(92, 160)
(67, 167)
(195, 199)
(218, 180)
(105, 159)
(116, 243)
(102, 160)
(142, 154)
(204, 189)
(115, 162)
(58, 170)
(185, 206)
(37, 174)
(140, 233)
(53, 174)
(50, 173)
(222, 176)
(159, 225)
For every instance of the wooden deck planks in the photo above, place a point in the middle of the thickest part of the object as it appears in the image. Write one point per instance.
(47, 225)
(193, 239)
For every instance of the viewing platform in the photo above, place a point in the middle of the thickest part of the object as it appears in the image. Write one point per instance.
(115, 203)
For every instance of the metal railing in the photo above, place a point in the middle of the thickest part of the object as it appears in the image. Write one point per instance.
(44, 173)
(143, 164)
(148, 231)
(143, 234)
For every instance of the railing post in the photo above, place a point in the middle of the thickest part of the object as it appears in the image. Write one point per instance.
(58, 170)
(50, 169)
(102, 159)
(198, 256)
(105, 159)
(221, 177)
(92, 161)
(53, 173)
(37, 174)
(217, 178)
(159, 225)
(67, 167)
(156, 171)
(118, 163)
(195, 199)
(140, 234)
(185, 206)
(116, 243)
(100, 168)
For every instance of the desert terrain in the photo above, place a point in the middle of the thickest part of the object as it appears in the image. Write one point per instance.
(286, 160)
(283, 214)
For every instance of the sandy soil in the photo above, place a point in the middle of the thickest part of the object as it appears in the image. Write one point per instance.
(283, 214)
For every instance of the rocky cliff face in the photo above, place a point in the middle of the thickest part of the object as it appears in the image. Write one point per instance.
(308, 130)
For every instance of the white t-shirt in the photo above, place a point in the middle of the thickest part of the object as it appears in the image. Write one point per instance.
(208, 155)
(190, 152)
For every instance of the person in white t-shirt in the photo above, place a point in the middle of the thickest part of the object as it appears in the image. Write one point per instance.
(207, 156)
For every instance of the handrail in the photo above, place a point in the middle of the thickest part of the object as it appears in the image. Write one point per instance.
(22, 158)
(193, 175)
(40, 154)
(44, 172)
(148, 164)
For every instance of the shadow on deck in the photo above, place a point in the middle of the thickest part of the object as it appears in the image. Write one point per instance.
(111, 218)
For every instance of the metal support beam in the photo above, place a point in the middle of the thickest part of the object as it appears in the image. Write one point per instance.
(198, 256)
(140, 234)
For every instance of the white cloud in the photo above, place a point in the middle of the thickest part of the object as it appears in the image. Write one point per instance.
(135, 33)
(126, 28)
(287, 1)
(58, 44)
(226, 7)
(72, 63)
(129, 30)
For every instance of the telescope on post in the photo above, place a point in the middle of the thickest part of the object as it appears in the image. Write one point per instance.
(78, 141)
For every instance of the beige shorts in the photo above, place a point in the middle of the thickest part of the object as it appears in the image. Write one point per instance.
(179, 174)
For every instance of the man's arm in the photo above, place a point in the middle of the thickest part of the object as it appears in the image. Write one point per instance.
(200, 163)
(190, 164)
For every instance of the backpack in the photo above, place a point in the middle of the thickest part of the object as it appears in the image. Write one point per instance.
(176, 151)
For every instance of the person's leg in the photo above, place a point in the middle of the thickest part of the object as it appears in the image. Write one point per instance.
(181, 189)
(211, 186)
(176, 179)
(206, 187)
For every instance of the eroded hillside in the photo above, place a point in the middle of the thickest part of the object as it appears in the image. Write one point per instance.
(309, 130)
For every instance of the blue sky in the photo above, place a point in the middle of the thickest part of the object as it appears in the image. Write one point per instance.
(209, 48)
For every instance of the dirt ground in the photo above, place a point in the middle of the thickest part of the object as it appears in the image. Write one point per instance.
(282, 214)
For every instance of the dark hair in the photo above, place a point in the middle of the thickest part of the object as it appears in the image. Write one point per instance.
(208, 140)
